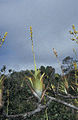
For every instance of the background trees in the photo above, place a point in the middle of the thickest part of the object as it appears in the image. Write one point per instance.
(18, 98)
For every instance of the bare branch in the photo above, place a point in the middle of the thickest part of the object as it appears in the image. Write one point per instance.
(68, 96)
(28, 114)
(42, 107)
(64, 103)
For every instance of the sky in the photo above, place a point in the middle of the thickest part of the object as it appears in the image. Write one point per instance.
(51, 21)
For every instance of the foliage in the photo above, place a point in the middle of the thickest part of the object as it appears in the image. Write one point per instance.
(21, 99)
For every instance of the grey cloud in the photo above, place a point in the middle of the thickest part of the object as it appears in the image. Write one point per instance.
(51, 21)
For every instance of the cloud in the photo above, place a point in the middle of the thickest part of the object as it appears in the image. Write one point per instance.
(51, 20)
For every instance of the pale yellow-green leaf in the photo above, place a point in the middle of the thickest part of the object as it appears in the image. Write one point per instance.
(29, 78)
(42, 76)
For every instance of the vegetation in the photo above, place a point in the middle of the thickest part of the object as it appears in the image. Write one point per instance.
(41, 94)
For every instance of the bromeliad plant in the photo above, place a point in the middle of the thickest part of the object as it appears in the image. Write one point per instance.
(74, 34)
(2, 39)
(64, 86)
(37, 86)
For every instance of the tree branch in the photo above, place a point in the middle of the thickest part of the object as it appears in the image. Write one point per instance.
(28, 114)
(41, 107)
(68, 96)
(61, 101)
